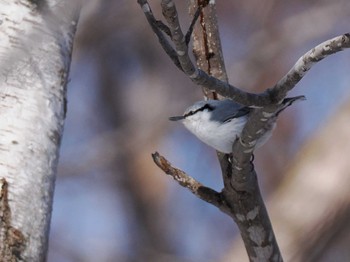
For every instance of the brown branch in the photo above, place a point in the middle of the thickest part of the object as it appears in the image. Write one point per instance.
(181, 59)
(246, 208)
(199, 77)
(250, 214)
(205, 193)
(207, 44)
(240, 198)
(241, 190)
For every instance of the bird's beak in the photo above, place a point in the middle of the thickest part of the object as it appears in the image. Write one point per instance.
(176, 118)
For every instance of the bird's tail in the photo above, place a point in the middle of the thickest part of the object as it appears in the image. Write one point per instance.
(289, 101)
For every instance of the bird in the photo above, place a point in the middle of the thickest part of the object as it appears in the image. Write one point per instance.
(218, 123)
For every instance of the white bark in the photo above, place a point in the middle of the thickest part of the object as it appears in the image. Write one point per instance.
(35, 48)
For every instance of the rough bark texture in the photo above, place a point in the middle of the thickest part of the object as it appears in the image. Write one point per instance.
(35, 48)
(207, 44)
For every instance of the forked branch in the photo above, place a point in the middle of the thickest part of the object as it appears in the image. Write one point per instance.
(179, 56)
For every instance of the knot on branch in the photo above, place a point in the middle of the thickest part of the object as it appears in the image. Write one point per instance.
(12, 241)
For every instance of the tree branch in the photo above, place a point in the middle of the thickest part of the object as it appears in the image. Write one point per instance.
(246, 208)
(207, 44)
(205, 193)
(157, 29)
(181, 59)
(242, 152)
(250, 216)
(241, 197)
(304, 64)
(194, 20)
(271, 96)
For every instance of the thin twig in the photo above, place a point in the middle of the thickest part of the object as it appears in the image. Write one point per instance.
(194, 20)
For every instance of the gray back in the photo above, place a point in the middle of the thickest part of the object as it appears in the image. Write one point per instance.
(225, 110)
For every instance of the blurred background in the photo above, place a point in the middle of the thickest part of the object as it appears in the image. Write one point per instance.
(111, 202)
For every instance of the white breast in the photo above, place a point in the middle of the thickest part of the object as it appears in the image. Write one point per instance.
(217, 135)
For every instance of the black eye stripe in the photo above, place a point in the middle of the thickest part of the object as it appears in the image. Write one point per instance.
(206, 106)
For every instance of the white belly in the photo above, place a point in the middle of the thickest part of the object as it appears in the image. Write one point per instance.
(216, 135)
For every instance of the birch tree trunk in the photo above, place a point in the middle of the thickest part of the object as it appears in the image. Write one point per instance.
(35, 50)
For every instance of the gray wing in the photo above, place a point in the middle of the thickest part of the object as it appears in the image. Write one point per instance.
(228, 110)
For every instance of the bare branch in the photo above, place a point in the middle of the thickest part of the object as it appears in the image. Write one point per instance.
(171, 16)
(245, 207)
(194, 20)
(205, 193)
(225, 89)
(256, 124)
(157, 28)
(182, 60)
(240, 198)
(304, 63)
